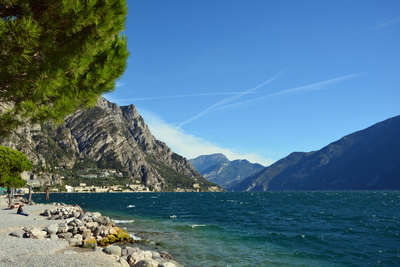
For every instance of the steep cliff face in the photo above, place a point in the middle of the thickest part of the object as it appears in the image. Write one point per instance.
(111, 136)
(365, 160)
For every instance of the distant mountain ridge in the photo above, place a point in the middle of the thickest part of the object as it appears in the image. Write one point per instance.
(109, 136)
(365, 160)
(217, 168)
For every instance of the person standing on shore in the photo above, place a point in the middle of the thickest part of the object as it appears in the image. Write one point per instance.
(20, 211)
(47, 194)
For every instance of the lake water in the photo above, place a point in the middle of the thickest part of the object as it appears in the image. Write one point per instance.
(334, 228)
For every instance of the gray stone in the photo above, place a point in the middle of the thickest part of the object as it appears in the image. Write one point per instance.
(165, 255)
(62, 228)
(74, 242)
(78, 236)
(35, 233)
(96, 214)
(123, 262)
(56, 217)
(92, 225)
(167, 264)
(18, 233)
(146, 263)
(156, 255)
(86, 233)
(81, 229)
(112, 249)
(102, 220)
(52, 229)
(74, 230)
(66, 235)
(126, 251)
(89, 242)
(135, 257)
(84, 216)
(46, 213)
(97, 231)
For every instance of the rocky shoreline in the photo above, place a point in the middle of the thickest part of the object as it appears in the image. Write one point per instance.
(75, 228)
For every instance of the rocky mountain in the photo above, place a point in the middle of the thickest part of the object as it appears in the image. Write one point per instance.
(218, 169)
(108, 136)
(365, 160)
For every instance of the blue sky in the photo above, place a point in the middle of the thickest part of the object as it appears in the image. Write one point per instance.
(260, 79)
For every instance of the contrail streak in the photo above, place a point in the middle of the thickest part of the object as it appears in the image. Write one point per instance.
(310, 87)
(228, 100)
(177, 96)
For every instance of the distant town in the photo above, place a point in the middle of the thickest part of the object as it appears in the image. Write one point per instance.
(94, 180)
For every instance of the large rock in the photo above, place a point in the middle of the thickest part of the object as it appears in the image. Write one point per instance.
(92, 225)
(102, 220)
(74, 242)
(126, 251)
(18, 233)
(168, 264)
(62, 228)
(146, 263)
(66, 235)
(135, 257)
(123, 262)
(52, 229)
(115, 250)
(46, 213)
(86, 233)
(34, 233)
(89, 242)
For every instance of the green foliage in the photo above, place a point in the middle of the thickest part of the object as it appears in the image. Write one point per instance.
(57, 56)
(12, 163)
(175, 179)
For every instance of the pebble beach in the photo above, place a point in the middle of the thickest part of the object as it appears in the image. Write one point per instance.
(15, 251)
(41, 252)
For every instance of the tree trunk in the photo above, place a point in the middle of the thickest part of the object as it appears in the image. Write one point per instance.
(9, 200)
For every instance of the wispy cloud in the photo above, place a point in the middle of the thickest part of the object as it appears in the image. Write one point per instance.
(310, 87)
(119, 84)
(225, 101)
(191, 146)
(385, 24)
(174, 96)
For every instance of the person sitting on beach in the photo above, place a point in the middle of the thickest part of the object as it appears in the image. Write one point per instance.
(20, 211)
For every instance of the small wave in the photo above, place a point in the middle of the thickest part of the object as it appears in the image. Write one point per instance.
(173, 216)
(136, 238)
(197, 225)
(131, 206)
(123, 221)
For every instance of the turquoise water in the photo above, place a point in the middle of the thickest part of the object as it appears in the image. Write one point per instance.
(349, 228)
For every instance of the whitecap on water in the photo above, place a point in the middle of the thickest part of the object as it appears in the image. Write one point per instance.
(136, 238)
(123, 221)
(172, 216)
(197, 225)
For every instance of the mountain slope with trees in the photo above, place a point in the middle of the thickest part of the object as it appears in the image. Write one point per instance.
(105, 137)
(365, 160)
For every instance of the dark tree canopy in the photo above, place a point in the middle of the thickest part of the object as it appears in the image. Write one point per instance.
(57, 56)
(12, 163)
